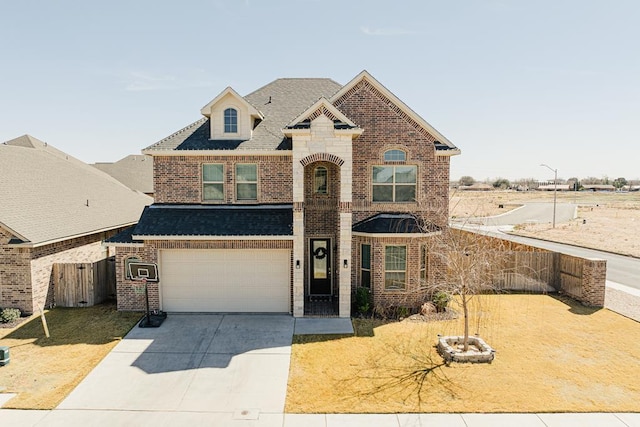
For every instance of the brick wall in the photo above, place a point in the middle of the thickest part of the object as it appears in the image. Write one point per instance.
(386, 128)
(25, 273)
(130, 300)
(178, 179)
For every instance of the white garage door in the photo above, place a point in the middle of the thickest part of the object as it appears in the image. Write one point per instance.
(225, 280)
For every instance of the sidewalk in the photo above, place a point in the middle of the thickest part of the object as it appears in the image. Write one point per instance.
(59, 417)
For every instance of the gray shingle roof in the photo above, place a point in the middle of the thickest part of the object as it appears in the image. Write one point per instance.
(280, 101)
(44, 195)
(394, 223)
(215, 220)
(134, 171)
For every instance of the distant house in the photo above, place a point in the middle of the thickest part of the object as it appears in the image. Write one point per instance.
(598, 187)
(557, 187)
(478, 186)
(134, 171)
(53, 209)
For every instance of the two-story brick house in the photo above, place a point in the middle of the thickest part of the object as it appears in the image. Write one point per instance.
(289, 197)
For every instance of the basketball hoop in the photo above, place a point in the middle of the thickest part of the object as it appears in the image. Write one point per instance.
(139, 288)
(141, 273)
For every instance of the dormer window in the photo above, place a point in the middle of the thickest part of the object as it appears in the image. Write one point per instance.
(395, 156)
(230, 120)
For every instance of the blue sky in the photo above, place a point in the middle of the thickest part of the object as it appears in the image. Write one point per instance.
(512, 83)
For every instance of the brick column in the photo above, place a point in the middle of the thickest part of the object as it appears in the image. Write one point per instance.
(594, 278)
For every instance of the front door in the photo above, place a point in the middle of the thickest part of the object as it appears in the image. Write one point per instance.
(320, 263)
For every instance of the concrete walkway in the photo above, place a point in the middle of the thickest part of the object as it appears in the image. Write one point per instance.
(232, 370)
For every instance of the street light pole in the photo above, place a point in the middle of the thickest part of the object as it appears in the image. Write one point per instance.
(555, 190)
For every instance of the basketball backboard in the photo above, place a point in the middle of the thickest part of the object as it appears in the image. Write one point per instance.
(143, 271)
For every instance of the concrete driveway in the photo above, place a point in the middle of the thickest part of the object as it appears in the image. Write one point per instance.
(231, 367)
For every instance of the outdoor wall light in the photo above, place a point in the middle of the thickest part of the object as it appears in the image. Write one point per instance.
(345, 263)
(297, 264)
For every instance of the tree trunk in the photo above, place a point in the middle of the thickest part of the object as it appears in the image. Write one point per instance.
(465, 309)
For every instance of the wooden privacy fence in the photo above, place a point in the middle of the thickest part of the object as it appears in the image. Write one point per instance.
(84, 284)
(527, 268)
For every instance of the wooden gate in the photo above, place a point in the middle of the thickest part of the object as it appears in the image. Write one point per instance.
(83, 284)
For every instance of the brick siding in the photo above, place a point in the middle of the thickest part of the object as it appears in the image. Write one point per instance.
(25, 273)
(178, 179)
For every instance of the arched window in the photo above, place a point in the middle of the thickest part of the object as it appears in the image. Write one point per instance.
(320, 180)
(230, 120)
(395, 156)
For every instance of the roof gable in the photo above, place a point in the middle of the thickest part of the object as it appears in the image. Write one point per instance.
(442, 145)
(253, 111)
(322, 107)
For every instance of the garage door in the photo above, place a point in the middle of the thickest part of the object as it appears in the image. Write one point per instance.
(225, 280)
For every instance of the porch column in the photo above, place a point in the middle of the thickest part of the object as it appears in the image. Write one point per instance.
(346, 219)
(298, 260)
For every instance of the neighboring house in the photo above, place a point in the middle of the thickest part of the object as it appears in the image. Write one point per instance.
(53, 209)
(134, 171)
(557, 187)
(288, 199)
(478, 186)
(598, 187)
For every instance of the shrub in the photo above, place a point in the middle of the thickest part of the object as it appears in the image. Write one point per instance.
(363, 300)
(9, 315)
(441, 300)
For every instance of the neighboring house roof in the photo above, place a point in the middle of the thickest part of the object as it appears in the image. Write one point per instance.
(134, 171)
(279, 102)
(207, 221)
(48, 196)
(394, 223)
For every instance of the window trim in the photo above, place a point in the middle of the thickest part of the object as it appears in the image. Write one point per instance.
(404, 285)
(394, 184)
(362, 267)
(221, 182)
(392, 152)
(246, 182)
(232, 123)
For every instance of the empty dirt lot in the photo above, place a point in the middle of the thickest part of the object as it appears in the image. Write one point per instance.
(606, 221)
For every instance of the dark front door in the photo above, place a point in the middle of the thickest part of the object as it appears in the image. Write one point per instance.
(320, 263)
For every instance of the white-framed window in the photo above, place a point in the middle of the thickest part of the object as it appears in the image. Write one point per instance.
(424, 262)
(321, 180)
(395, 268)
(365, 265)
(246, 181)
(128, 261)
(230, 120)
(395, 156)
(394, 183)
(213, 182)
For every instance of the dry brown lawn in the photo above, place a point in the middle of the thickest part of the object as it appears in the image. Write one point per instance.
(552, 355)
(43, 371)
(612, 219)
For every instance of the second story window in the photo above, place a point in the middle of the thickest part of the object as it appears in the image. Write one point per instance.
(230, 120)
(213, 182)
(246, 181)
(394, 183)
(320, 180)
